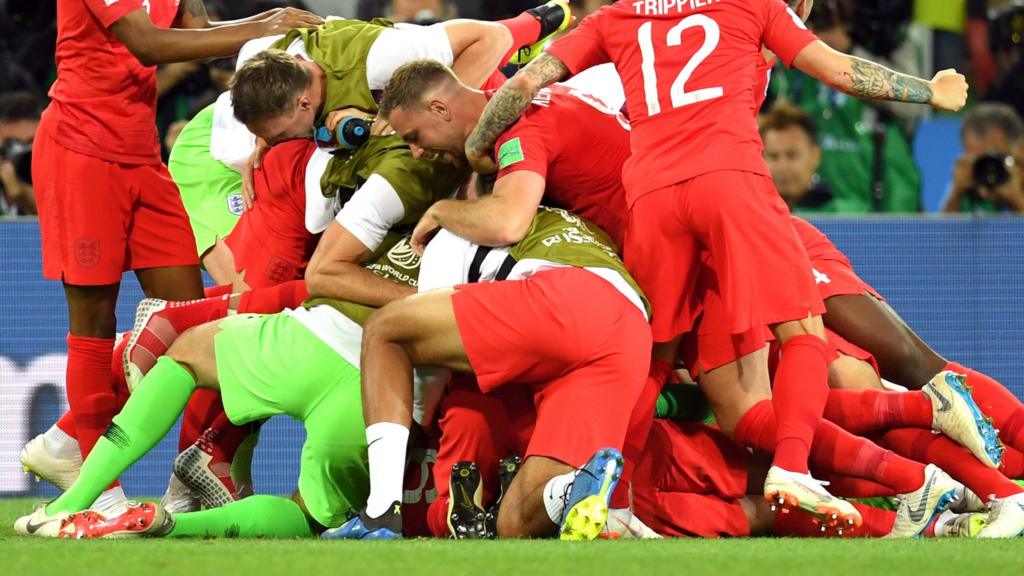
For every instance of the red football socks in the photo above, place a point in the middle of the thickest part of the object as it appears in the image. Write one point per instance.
(273, 299)
(639, 427)
(202, 410)
(67, 424)
(835, 450)
(799, 394)
(955, 460)
(863, 411)
(90, 396)
(525, 30)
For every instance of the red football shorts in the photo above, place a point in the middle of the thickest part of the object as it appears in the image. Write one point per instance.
(266, 259)
(837, 278)
(690, 480)
(481, 428)
(761, 267)
(98, 218)
(582, 347)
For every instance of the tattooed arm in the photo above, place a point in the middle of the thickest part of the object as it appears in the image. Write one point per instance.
(870, 81)
(507, 105)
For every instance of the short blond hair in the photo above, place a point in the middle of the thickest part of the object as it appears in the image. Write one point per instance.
(411, 82)
(267, 85)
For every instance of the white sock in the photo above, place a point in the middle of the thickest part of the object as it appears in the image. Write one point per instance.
(60, 445)
(556, 493)
(386, 443)
(111, 501)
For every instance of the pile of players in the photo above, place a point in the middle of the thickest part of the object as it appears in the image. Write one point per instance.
(473, 293)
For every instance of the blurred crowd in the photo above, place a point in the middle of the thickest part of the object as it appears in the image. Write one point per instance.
(828, 153)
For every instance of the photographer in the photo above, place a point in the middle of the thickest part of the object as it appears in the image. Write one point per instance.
(988, 176)
(19, 118)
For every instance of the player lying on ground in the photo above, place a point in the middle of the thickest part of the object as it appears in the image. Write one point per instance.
(300, 362)
(505, 332)
(697, 179)
(693, 481)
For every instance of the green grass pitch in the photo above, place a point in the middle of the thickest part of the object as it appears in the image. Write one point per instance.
(749, 557)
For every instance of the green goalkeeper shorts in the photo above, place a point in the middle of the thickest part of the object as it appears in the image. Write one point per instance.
(273, 364)
(210, 191)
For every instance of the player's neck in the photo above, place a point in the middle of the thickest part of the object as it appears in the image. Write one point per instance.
(473, 103)
(319, 87)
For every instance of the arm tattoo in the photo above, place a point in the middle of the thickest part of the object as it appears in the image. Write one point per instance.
(509, 103)
(870, 80)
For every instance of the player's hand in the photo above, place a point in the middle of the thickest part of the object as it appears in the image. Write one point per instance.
(248, 188)
(481, 163)
(949, 90)
(334, 117)
(285, 19)
(425, 230)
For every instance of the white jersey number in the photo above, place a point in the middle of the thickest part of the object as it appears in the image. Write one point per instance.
(680, 97)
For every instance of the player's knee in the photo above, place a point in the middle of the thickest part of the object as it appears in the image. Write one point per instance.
(386, 324)
(194, 341)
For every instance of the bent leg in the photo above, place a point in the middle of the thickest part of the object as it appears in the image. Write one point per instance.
(903, 358)
(523, 513)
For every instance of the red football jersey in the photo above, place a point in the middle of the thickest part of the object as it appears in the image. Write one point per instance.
(579, 146)
(104, 99)
(690, 71)
(817, 245)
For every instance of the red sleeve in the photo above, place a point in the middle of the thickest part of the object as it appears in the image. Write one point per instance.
(582, 48)
(784, 33)
(523, 147)
(110, 11)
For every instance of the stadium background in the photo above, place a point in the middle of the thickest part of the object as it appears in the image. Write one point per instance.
(958, 281)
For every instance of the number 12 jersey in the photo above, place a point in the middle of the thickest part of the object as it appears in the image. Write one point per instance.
(690, 69)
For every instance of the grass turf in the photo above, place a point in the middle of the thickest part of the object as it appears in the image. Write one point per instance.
(742, 557)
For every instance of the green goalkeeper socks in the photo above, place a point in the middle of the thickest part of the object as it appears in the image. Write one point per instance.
(252, 517)
(149, 414)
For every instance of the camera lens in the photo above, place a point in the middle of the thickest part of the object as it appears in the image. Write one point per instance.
(991, 170)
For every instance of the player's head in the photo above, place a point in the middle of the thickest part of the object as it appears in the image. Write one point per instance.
(272, 95)
(790, 149)
(421, 104)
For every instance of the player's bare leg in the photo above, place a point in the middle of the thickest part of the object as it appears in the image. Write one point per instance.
(903, 357)
(523, 513)
(219, 262)
(171, 282)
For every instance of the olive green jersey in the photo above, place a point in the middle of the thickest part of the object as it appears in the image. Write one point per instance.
(555, 238)
(341, 48)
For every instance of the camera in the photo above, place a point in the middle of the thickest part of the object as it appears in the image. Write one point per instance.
(19, 154)
(992, 169)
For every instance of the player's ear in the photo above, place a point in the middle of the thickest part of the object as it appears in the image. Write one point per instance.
(302, 102)
(440, 109)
